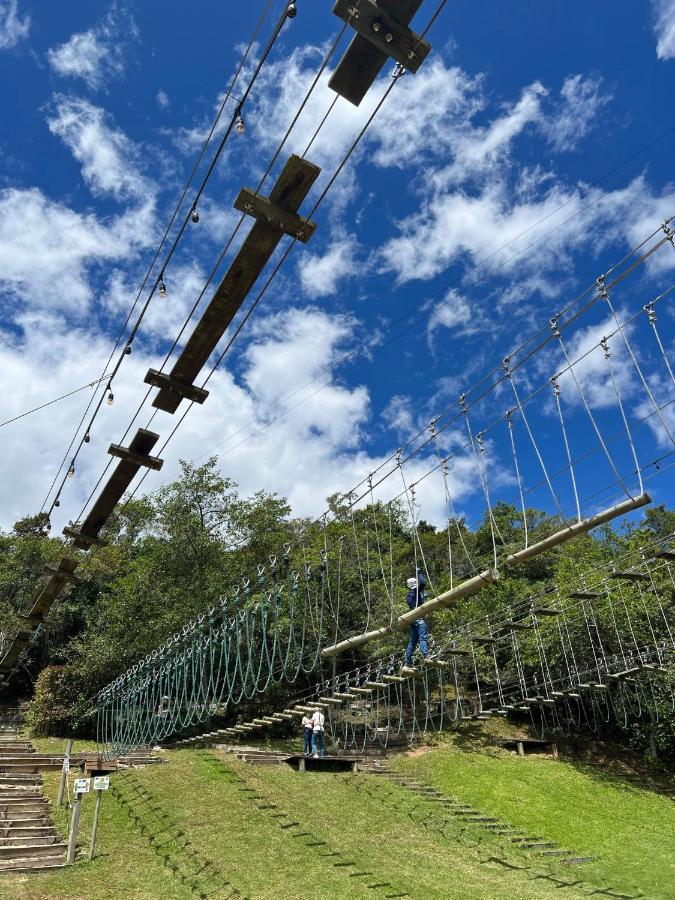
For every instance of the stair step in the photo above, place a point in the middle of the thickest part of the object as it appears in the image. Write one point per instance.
(34, 840)
(31, 864)
(26, 848)
(555, 853)
(573, 860)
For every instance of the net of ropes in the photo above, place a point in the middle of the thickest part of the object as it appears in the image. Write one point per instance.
(561, 436)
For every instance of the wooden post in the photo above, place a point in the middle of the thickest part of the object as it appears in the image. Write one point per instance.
(521, 749)
(301, 765)
(74, 826)
(64, 772)
(97, 809)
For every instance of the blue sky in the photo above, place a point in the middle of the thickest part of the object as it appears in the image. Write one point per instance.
(504, 137)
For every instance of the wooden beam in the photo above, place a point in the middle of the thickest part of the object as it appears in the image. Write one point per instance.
(138, 459)
(370, 49)
(465, 589)
(114, 489)
(175, 386)
(76, 535)
(293, 185)
(571, 531)
(274, 215)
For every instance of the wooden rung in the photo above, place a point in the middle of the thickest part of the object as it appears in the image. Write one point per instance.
(65, 569)
(264, 210)
(331, 700)
(137, 459)
(362, 690)
(175, 386)
(457, 651)
(665, 554)
(285, 717)
(483, 639)
(393, 679)
(571, 531)
(584, 595)
(519, 626)
(629, 576)
(382, 34)
(437, 663)
(409, 670)
(375, 685)
(346, 696)
(546, 611)
(89, 540)
(572, 694)
(294, 712)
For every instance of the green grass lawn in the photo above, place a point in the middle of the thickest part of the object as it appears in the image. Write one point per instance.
(629, 832)
(207, 826)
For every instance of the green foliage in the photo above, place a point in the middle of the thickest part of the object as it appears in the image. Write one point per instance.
(172, 555)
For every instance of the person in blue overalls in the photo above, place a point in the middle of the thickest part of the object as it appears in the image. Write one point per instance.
(418, 629)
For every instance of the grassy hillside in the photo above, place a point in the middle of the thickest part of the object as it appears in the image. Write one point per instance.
(206, 826)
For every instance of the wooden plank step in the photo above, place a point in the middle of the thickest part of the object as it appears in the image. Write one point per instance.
(55, 848)
(31, 863)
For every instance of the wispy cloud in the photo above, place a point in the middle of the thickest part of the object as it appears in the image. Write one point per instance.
(12, 28)
(664, 28)
(110, 161)
(96, 55)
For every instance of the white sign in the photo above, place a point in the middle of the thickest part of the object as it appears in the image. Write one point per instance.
(82, 785)
(101, 783)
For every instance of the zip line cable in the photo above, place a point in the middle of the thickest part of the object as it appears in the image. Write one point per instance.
(159, 281)
(224, 252)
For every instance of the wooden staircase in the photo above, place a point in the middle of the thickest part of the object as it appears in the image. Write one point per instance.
(28, 839)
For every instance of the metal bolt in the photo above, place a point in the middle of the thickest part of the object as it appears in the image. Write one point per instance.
(376, 26)
(389, 37)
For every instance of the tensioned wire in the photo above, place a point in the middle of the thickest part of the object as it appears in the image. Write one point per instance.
(495, 384)
(205, 144)
(328, 55)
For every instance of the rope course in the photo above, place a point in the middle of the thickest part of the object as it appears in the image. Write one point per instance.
(544, 655)
(275, 216)
(559, 437)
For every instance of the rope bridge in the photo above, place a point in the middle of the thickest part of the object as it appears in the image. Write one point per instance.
(557, 439)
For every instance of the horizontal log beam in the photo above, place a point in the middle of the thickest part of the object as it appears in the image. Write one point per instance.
(571, 531)
(465, 589)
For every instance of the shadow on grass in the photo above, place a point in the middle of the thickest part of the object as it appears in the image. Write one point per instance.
(286, 823)
(449, 827)
(199, 875)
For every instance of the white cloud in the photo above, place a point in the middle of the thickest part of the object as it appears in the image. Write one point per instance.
(582, 100)
(664, 28)
(45, 263)
(12, 28)
(320, 274)
(163, 100)
(109, 159)
(455, 313)
(314, 450)
(95, 55)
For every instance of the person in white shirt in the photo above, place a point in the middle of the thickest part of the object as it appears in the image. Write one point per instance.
(308, 728)
(318, 744)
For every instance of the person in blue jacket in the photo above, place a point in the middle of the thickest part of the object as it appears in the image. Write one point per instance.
(418, 629)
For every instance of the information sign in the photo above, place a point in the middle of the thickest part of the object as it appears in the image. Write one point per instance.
(82, 785)
(101, 783)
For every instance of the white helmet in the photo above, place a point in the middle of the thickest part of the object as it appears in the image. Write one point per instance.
(412, 583)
